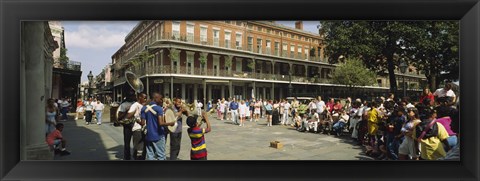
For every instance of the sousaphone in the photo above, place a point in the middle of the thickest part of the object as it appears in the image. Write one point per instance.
(137, 85)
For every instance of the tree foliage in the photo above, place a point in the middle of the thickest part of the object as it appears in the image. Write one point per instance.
(63, 59)
(141, 57)
(379, 44)
(353, 73)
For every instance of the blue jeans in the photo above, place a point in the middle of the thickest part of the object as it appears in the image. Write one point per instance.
(393, 145)
(99, 116)
(156, 150)
(338, 126)
(452, 141)
(64, 113)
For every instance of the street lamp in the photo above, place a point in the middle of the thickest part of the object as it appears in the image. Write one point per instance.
(90, 80)
(403, 68)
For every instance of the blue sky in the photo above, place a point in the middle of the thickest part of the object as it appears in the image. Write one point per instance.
(94, 42)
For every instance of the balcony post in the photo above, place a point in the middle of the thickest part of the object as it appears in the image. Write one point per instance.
(230, 89)
(272, 91)
(148, 87)
(195, 91)
(204, 93)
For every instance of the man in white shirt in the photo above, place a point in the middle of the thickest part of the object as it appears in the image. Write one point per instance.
(313, 123)
(64, 108)
(88, 111)
(127, 128)
(98, 111)
(446, 92)
(137, 131)
(199, 107)
(286, 110)
(321, 108)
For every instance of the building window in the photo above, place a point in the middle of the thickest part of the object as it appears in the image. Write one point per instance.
(268, 47)
(288, 35)
(190, 32)
(250, 27)
(299, 50)
(259, 29)
(284, 50)
(259, 45)
(238, 23)
(292, 51)
(216, 38)
(238, 41)
(228, 36)
(203, 35)
(250, 43)
(379, 81)
(269, 31)
(277, 48)
(176, 30)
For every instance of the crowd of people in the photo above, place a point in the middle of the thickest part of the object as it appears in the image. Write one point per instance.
(388, 127)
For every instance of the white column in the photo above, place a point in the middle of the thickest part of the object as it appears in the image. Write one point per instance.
(34, 79)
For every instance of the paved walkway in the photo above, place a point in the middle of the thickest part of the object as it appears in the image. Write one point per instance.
(226, 142)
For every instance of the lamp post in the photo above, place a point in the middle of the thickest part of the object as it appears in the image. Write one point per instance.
(403, 68)
(90, 80)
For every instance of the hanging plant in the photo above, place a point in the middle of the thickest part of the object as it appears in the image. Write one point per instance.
(228, 61)
(251, 65)
(203, 58)
(174, 54)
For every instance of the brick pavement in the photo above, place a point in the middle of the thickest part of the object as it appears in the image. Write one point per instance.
(226, 142)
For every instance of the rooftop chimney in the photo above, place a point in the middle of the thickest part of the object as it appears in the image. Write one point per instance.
(299, 25)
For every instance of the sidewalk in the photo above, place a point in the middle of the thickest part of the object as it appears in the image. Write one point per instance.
(226, 142)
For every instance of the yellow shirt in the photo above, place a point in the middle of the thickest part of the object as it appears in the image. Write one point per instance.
(432, 148)
(372, 121)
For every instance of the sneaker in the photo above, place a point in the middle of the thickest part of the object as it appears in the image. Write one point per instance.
(99, 123)
(87, 123)
(239, 125)
(76, 119)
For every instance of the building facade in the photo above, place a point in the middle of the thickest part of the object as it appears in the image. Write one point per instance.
(210, 60)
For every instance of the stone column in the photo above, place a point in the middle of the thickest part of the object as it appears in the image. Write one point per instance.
(209, 92)
(171, 88)
(264, 93)
(148, 87)
(244, 91)
(230, 89)
(254, 87)
(205, 93)
(33, 125)
(272, 91)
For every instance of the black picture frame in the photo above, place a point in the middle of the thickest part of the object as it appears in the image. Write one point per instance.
(13, 12)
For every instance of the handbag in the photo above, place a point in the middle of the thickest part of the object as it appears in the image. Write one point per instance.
(424, 132)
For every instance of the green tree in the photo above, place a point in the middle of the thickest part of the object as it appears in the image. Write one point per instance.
(352, 73)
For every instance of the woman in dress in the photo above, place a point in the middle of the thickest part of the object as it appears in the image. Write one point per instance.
(80, 108)
(52, 114)
(258, 104)
(222, 109)
(409, 147)
(243, 112)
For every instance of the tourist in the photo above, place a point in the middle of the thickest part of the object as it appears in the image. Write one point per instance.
(444, 112)
(234, 111)
(312, 105)
(393, 133)
(426, 94)
(330, 104)
(286, 112)
(218, 109)
(98, 111)
(373, 120)
(55, 139)
(446, 92)
(431, 135)
(409, 146)
(152, 116)
(321, 107)
(355, 118)
(227, 109)
(52, 115)
(243, 113)
(257, 110)
(252, 109)
(88, 111)
(276, 113)
(314, 122)
(80, 109)
(342, 121)
(176, 136)
(64, 108)
(199, 107)
(197, 137)
(222, 109)
(295, 105)
(269, 112)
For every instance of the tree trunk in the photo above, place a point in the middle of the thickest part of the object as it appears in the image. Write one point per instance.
(391, 74)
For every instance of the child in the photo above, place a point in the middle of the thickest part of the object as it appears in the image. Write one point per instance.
(196, 133)
(55, 138)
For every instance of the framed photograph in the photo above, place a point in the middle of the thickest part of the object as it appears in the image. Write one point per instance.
(323, 90)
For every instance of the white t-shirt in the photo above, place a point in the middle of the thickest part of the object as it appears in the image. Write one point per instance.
(316, 117)
(99, 107)
(442, 93)
(199, 105)
(286, 106)
(243, 109)
(320, 107)
(64, 104)
(136, 108)
(88, 106)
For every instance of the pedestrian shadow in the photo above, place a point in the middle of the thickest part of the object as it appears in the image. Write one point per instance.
(118, 151)
(83, 143)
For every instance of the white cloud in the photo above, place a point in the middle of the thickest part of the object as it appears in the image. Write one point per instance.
(94, 36)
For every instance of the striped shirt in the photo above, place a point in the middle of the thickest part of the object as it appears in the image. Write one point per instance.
(199, 148)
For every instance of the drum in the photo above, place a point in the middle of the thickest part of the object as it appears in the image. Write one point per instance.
(170, 117)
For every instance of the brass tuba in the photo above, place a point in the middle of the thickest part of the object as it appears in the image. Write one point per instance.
(134, 82)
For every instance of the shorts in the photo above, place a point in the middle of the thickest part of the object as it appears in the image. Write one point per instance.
(242, 115)
(269, 112)
(408, 147)
(57, 142)
(257, 111)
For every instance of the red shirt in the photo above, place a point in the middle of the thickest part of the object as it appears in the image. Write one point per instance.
(53, 136)
(429, 96)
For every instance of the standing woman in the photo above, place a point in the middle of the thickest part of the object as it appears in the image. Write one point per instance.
(268, 112)
(218, 108)
(243, 112)
(80, 108)
(222, 109)
(409, 147)
(52, 115)
(276, 112)
(88, 111)
(98, 111)
(258, 104)
(252, 108)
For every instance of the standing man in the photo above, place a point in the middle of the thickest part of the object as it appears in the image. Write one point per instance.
(320, 108)
(98, 111)
(127, 125)
(234, 111)
(286, 111)
(295, 105)
(152, 116)
(65, 104)
(199, 107)
(88, 111)
(176, 136)
(137, 129)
